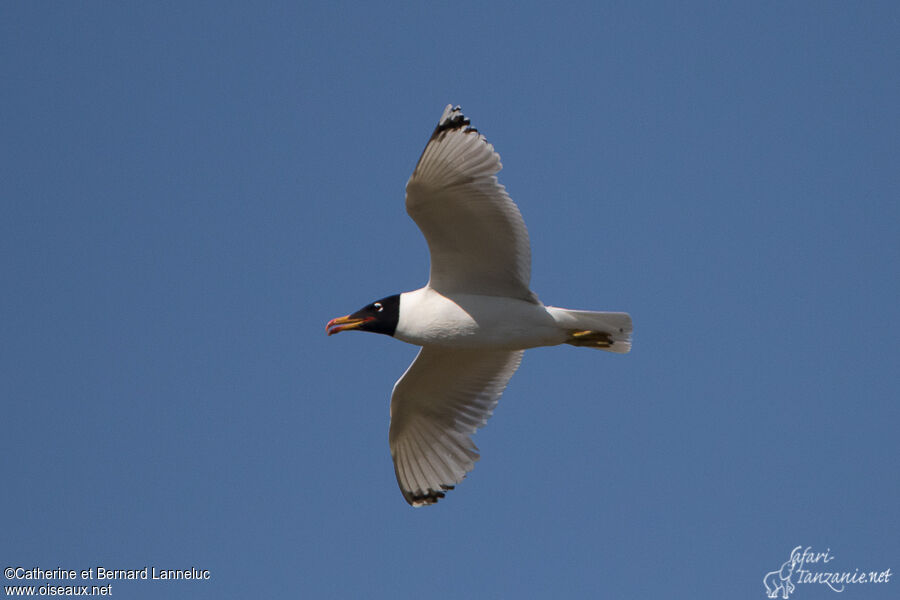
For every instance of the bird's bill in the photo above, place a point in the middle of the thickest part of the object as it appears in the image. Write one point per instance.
(344, 323)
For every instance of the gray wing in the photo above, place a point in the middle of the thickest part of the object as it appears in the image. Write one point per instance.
(475, 232)
(441, 400)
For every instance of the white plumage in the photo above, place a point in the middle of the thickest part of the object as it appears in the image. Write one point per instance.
(473, 319)
(444, 396)
(475, 232)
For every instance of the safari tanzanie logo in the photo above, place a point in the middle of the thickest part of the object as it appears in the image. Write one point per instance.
(805, 567)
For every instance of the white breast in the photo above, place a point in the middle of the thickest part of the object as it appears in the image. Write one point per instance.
(473, 321)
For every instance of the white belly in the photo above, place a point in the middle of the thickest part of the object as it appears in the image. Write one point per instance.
(469, 321)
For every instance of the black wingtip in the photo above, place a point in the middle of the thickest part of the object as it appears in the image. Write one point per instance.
(452, 121)
(424, 499)
(428, 498)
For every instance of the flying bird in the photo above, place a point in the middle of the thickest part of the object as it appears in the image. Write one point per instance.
(473, 319)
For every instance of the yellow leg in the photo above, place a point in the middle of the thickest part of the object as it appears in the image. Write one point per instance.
(594, 339)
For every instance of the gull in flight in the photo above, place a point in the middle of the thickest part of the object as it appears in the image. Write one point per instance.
(473, 319)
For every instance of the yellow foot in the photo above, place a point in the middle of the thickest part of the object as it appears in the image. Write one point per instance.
(595, 339)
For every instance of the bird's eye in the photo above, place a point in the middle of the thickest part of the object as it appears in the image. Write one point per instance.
(378, 306)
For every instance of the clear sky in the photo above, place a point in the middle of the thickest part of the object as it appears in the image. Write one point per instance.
(189, 191)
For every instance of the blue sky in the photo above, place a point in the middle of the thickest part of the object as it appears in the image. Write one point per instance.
(190, 191)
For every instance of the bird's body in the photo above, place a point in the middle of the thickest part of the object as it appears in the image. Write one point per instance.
(473, 319)
(493, 322)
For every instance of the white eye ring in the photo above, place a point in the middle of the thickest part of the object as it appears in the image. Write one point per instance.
(378, 306)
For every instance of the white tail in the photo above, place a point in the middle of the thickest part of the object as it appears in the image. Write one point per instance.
(609, 331)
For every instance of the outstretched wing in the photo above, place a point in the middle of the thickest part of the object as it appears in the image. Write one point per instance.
(444, 396)
(475, 232)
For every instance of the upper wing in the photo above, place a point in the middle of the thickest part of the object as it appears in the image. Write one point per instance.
(475, 232)
(444, 396)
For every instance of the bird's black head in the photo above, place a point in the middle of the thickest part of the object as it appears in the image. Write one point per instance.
(379, 317)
